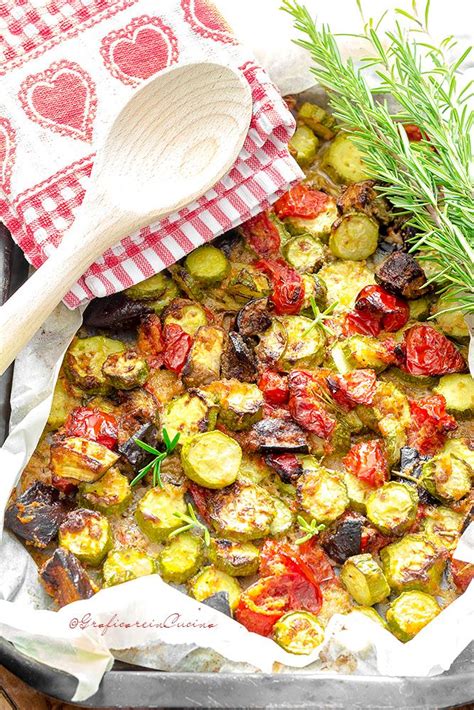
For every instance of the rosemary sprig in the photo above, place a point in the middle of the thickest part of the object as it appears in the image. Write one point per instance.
(191, 522)
(155, 464)
(313, 528)
(428, 181)
(319, 317)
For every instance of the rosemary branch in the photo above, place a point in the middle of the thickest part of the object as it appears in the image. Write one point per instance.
(191, 521)
(311, 529)
(159, 456)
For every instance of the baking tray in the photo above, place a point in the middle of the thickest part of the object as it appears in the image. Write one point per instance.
(127, 686)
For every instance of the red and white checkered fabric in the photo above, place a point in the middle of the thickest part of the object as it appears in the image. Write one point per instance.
(64, 65)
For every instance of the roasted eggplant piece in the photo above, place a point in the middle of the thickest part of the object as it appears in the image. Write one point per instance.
(219, 602)
(402, 275)
(126, 564)
(363, 578)
(242, 512)
(211, 459)
(413, 563)
(155, 513)
(361, 197)
(135, 455)
(411, 612)
(238, 359)
(254, 318)
(344, 540)
(36, 514)
(65, 579)
(115, 311)
(81, 460)
(211, 581)
(239, 559)
(273, 434)
(87, 534)
(289, 467)
(411, 462)
(181, 558)
(298, 632)
(204, 360)
(272, 344)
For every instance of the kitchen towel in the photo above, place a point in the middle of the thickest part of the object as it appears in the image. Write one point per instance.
(65, 66)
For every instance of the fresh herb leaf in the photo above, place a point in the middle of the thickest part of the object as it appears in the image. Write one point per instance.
(319, 317)
(155, 464)
(191, 522)
(313, 528)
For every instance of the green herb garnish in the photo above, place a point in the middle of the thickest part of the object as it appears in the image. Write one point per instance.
(319, 317)
(191, 522)
(313, 528)
(155, 464)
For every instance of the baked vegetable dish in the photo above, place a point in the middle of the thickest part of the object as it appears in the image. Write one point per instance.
(281, 424)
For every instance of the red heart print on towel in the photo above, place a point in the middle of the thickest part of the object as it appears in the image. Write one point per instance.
(62, 99)
(7, 153)
(205, 19)
(139, 50)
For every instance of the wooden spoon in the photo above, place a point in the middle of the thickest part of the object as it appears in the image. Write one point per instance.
(177, 135)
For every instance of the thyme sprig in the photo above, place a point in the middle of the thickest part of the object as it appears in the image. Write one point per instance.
(429, 181)
(191, 522)
(319, 317)
(311, 529)
(155, 464)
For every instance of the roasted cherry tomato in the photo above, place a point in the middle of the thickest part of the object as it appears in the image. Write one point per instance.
(305, 404)
(372, 540)
(274, 387)
(462, 574)
(288, 287)
(301, 201)
(429, 352)
(92, 424)
(64, 485)
(429, 424)
(308, 560)
(413, 132)
(262, 235)
(376, 305)
(353, 388)
(200, 496)
(177, 347)
(360, 323)
(150, 340)
(368, 461)
(287, 466)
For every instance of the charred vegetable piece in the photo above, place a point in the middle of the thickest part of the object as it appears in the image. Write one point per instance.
(65, 399)
(87, 535)
(36, 514)
(242, 511)
(207, 264)
(188, 415)
(402, 275)
(248, 282)
(458, 391)
(238, 359)
(354, 236)
(304, 145)
(134, 454)
(125, 370)
(84, 360)
(362, 197)
(254, 317)
(298, 632)
(149, 289)
(80, 459)
(304, 253)
(126, 564)
(411, 612)
(272, 343)
(364, 580)
(204, 360)
(211, 581)
(345, 540)
(110, 495)
(241, 405)
(272, 434)
(211, 459)
(239, 559)
(447, 476)
(115, 311)
(65, 579)
(343, 160)
(181, 558)
(413, 563)
(322, 495)
(392, 508)
(155, 513)
(442, 526)
(283, 519)
(304, 343)
(190, 316)
(319, 120)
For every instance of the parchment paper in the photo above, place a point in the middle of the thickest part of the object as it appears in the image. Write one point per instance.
(147, 621)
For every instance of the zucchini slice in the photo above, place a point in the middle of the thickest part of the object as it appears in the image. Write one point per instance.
(207, 264)
(343, 161)
(362, 351)
(246, 282)
(303, 145)
(241, 405)
(318, 227)
(447, 476)
(150, 289)
(322, 495)
(170, 293)
(315, 287)
(87, 535)
(272, 343)
(298, 632)
(452, 323)
(253, 468)
(442, 526)
(84, 359)
(155, 513)
(304, 344)
(242, 511)
(419, 308)
(212, 581)
(392, 508)
(190, 316)
(239, 559)
(344, 280)
(65, 399)
(181, 558)
(283, 519)
(110, 495)
(126, 564)
(304, 253)
(319, 120)
(411, 612)
(355, 236)
(357, 492)
(211, 459)
(81, 459)
(413, 563)
(204, 360)
(189, 415)
(458, 391)
(125, 370)
(364, 580)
